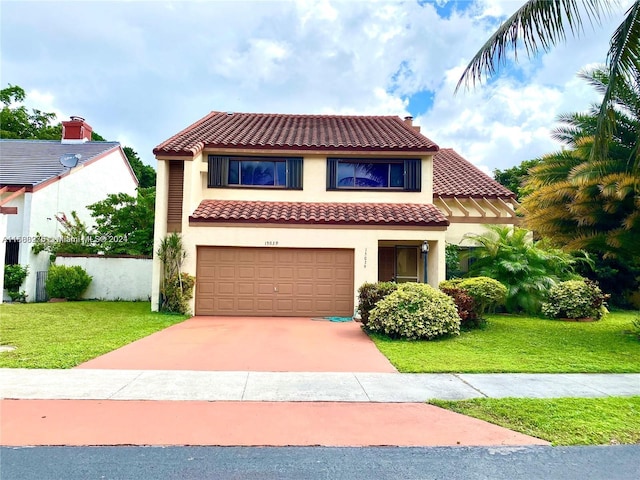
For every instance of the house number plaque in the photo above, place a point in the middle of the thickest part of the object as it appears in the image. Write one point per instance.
(271, 243)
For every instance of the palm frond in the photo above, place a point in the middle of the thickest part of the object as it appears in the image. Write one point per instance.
(536, 26)
(623, 59)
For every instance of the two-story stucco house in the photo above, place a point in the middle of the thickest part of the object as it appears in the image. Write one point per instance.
(287, 215)
(42, 179)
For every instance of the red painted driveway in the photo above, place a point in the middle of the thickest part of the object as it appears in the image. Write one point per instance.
(111, 422)
(251, 344)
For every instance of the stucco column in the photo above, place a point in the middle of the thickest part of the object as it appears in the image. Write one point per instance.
(3, 249)
(160, 231)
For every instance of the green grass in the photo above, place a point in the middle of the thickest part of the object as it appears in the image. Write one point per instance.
(561, 421)
(524, 344)
(63, 335)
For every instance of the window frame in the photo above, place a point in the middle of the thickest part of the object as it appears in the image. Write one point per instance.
(412, 174)
(219, 171)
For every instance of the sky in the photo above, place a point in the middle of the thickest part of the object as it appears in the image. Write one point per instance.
(140, 71)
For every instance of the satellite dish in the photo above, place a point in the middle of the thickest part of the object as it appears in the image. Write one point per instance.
(70, 160)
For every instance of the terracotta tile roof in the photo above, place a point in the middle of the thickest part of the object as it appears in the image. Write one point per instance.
(296, 132)
(453, 176)
(307, 213)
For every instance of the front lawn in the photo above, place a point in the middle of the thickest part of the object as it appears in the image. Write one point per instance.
(63, 335)
(524, 344)
(561, 421)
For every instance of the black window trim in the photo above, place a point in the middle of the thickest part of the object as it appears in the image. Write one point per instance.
(218, 171)
(412, 174)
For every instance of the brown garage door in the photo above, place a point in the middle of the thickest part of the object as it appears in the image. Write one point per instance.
(274, 281)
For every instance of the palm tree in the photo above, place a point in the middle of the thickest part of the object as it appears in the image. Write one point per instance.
(541, 24)
(526, 267)
(588, 204)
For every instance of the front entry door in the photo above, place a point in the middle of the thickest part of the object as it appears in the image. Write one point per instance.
(406, 264)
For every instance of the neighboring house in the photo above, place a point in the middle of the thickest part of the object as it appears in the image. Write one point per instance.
(39, 182)
(288, 215)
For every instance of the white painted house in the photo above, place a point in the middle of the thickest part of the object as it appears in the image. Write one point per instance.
(38, 181)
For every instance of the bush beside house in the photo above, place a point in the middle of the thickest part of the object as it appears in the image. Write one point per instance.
(67, 282)
(371, 293)
(14, 277)
(576, 299)
(415, 311)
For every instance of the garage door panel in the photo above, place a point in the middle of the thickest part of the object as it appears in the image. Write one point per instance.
(285, 289)
(246, 288)
(265, 288)
(225, 304)
(285, 273)
(305, 273)
(273, 281)
(265, 272)
(225, 271)
(284, 305)
(225, 288)
(246, 303)
(264, 255)
(264, 305)
(304, 289)
(324, 289)
(325, 273)
(223, 256)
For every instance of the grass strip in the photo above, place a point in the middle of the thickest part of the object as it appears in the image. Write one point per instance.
(561, 421)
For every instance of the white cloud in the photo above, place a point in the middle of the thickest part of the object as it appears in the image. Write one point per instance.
(141, 71)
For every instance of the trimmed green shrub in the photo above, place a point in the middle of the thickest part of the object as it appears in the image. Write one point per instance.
(371, 293)
(466, 305)
(576, 299)
(177, 291)
(486, 292)
(415, 311)
(14, 275)
(67, 282)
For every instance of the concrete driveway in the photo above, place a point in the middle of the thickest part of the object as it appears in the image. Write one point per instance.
(263, 344)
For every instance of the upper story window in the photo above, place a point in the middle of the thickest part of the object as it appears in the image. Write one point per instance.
(265, 172)
(362, 174)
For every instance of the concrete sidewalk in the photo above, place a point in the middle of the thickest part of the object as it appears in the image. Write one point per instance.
(171, 385)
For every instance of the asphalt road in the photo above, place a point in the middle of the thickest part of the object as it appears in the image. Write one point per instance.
(618, 462)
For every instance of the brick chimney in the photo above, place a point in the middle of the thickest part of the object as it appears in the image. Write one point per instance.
(409, 121)
(76, 130)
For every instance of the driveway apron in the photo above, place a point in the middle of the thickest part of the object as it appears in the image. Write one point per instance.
(251, 344)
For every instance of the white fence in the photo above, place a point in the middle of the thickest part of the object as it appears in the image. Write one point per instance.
(114, 277)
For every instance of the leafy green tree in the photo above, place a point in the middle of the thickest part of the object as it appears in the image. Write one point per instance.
(124, 224)
(145, 173)
(18, 122)
(579, 203)
(513, 178)
(526, 267)
(540, 25)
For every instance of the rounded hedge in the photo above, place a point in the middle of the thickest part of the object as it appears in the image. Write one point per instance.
(67, 282)
(485, 291)
(575, 299)
(415, 311)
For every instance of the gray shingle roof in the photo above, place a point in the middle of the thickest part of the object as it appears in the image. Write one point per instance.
(31, 162)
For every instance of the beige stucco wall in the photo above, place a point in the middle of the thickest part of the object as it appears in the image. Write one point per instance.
(314, 186)
(364, 241)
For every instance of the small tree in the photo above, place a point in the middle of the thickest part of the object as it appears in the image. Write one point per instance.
(14, 276)
(176, 288)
